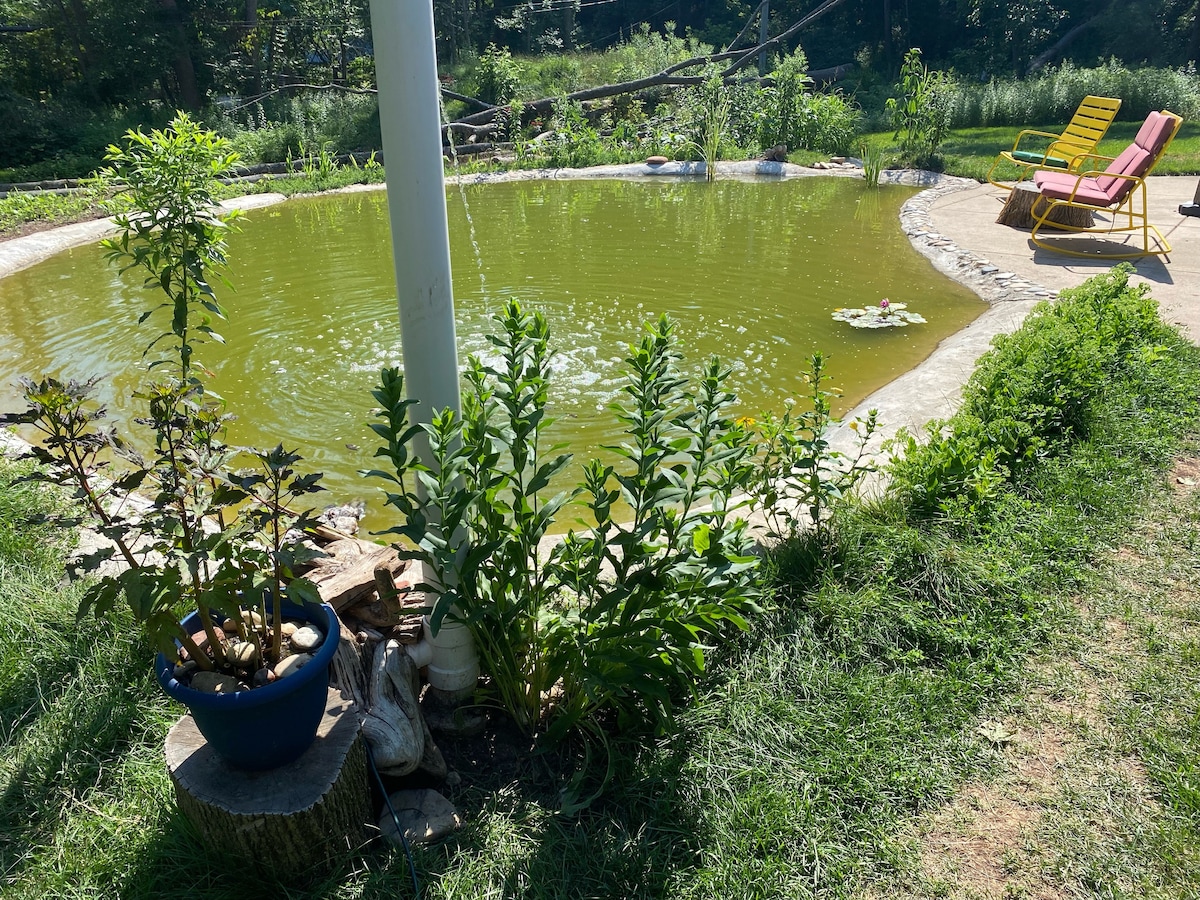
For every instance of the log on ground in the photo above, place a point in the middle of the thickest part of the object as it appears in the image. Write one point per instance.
(1024, 201)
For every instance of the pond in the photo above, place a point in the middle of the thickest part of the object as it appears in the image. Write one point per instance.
(751, 270)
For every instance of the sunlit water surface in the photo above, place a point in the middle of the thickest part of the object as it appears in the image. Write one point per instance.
(751, 271)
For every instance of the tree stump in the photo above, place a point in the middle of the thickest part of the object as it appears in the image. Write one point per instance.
(291, 820)
(1019, 209)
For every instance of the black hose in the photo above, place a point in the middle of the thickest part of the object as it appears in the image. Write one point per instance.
(412, 869)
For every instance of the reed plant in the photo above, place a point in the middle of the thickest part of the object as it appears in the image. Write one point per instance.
(873, 159)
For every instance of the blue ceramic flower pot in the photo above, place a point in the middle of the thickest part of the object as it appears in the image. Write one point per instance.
(269, 726)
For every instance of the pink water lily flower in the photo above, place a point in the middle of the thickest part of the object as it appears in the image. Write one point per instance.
(883, 304)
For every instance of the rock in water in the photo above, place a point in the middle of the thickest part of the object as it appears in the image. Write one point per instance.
(344, 518)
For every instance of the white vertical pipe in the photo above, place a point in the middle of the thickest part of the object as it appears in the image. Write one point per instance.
(410, 119)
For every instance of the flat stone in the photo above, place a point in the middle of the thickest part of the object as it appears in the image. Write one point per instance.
(290, 665)
(424, 816)
(1004, 276)
(307, 638)
(243, 654)
(989, 270)
(215, 683)
(656, 160)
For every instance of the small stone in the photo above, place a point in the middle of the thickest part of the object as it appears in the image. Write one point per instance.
(1004, 276)
(989, 270)
(453, 780)
(307, 638)
(287, 629)
(290, 665)
(215, 683)
(252, 619)
(263, 676)
(424, 816)
(229, 626)
(243, 654)
(656, 160)
(184, 669)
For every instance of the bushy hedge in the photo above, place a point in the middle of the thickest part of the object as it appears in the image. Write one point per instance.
(1053, 94)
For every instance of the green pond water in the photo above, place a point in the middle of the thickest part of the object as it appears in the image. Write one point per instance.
(751, 270)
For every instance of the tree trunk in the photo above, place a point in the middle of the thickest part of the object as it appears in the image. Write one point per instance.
(181, 63)
(291, 820)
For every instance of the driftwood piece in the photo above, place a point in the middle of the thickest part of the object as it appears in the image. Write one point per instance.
(346, 573)
(1022, 200)
(348, 671)
(393, 725)
(293, 819)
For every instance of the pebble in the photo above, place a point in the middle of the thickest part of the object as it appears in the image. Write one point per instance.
(425, 816)
(287, 629)
(243, 654)
(229, 626)
(656, 160)
(215, 683)
(185, 668)
(263, 676)
(290, 665)
(251, 618)
(307, 638)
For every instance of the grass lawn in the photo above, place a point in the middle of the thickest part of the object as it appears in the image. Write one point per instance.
(969, 152)
(834, 750)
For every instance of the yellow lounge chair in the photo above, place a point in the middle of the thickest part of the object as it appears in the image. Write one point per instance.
(1079, 138)
(1120, 190)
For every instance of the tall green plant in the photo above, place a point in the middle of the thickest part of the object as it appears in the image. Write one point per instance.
(212, 537)
(799, 476)
(613, 618)
(920, 114)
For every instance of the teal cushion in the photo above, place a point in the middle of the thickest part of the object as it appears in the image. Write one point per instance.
(1038, 159)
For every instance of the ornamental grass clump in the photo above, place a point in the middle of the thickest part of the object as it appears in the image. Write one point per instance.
(212, 536)
(619, 615)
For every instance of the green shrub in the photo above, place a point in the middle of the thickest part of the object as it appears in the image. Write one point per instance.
(648, 52)
(497, 76)
(1035, 394)
(617, 616)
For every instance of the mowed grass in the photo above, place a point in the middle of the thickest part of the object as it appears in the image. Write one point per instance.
(848, 712)
(969, 152)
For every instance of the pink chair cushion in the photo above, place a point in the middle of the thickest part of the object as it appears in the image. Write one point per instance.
(1059, 185)
(1152, 136)
(1105, 190)
(1143, 137)
(1132, 161)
